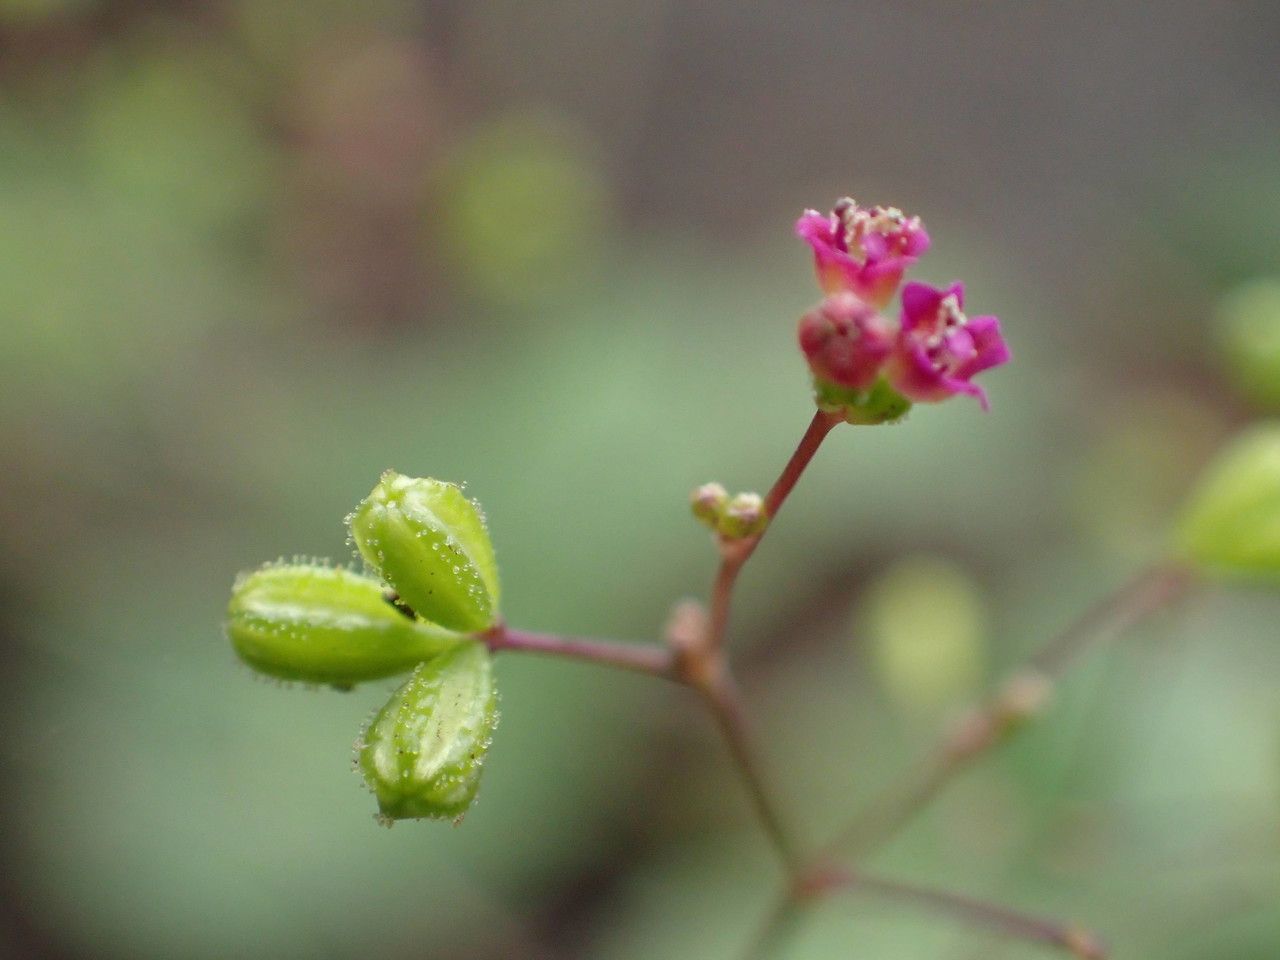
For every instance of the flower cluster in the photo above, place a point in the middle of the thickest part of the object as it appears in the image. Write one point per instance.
(863, 364)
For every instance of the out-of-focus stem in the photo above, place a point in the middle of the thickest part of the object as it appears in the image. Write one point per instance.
(1021, 697)
(777, 929)
(720, 694)
(971, 910)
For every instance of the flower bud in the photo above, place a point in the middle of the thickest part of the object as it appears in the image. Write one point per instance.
(708, 502)
(743, 516)
(422, 755)
(845, 341)
(430, 543)
(1232, 523)
(321, 624)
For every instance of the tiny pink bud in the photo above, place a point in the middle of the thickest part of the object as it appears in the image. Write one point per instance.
(743, 516)
(845, 341)
(708, 503)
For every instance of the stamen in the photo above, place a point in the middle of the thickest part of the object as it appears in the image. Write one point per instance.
(887, 220)
(852, 219)
(950, 316)
(855, 222)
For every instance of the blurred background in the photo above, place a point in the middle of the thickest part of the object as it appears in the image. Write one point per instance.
(253, 253)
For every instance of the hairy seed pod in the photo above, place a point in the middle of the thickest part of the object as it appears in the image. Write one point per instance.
(320, 624)
(430, 543)
(422, 754)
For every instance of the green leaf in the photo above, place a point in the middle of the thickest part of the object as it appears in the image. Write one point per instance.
(423, 753)
(430, 543)
(321, 624)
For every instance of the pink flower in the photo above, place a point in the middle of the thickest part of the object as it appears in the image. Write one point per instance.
(845, 341)
(862, 251)
(939, 349)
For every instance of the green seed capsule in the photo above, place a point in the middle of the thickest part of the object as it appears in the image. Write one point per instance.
(1232, 524)
(324, 625)
(423, 752)
(430, 543)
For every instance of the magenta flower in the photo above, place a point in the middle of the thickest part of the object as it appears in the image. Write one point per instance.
(862, 251)
(845, 341)
(939, 349)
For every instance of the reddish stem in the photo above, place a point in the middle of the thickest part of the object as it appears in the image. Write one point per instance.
(736, 552)
(638, 658)
(720, 694)
(1023, 695)
(821, 424)
(981, 913)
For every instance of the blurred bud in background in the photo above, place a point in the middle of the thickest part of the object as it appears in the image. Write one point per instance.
(1232, 522)
(925, 622)
(1249, 330)
(522, 210)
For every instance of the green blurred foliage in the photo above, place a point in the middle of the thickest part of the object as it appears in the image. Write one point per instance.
(118, 248)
